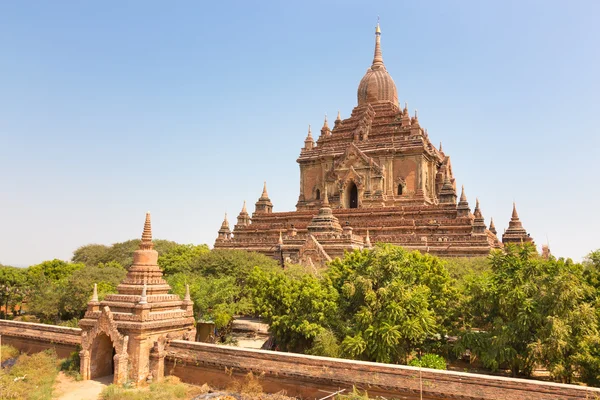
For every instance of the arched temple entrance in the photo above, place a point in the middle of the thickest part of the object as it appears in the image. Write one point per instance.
(102, 355)
(351, 196)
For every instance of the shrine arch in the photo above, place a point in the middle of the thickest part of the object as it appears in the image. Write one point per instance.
(102, 354)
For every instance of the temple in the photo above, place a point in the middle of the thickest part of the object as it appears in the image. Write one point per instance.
(126, 333)
(374, 177)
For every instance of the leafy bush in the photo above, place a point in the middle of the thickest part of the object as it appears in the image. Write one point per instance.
(429, 361)
(71, 364)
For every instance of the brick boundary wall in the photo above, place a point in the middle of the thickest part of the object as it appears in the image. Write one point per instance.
(31, 338)
(307, 376)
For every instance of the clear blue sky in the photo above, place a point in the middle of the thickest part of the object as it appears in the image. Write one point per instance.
(109, 109)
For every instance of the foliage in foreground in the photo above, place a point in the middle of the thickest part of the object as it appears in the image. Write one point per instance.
(532, 311)
(375, 305)
(429, 361)
(32, 377)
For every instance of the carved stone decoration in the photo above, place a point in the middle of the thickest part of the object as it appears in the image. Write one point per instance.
(378, 148)
(140, 314)
(312, 251)
(105, 324)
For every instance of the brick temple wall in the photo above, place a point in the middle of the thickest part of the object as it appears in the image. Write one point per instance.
(309, 376)
(32, 338)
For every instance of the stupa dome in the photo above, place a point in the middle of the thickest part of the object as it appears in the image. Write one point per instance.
(377, 85)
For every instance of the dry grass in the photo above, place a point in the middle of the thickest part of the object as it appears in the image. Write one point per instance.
(32, 377)
(8, 352)
(170, 388)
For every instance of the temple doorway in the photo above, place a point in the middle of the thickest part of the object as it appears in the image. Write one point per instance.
(352, 196)
(102, 355)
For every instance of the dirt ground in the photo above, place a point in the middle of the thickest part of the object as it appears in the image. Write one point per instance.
(67, 388)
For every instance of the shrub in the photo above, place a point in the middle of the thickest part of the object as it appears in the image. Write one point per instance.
(429, 361)
(32, 377)
(8, 352)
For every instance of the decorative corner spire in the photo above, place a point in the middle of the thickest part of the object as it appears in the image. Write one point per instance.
(143, 298)
(264, 192)
(146, 243)
(463, 196)
(225, 223)
(187, 293)
(309, 136)
(280, 241)
(476, 204)
(244, 211)
(492, 227)
(95, 294)
(377, 57)
(325, 198)
(339, 117)
(515, 216)
(405, 111)
(325, 124)
(441, 149)
(368, 240)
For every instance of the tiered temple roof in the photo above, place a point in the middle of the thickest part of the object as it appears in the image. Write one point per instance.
(375, 172)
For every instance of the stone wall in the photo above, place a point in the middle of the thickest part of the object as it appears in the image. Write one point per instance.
(309, 376)
(31, 338)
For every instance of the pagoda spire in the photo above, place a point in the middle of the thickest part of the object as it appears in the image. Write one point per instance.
(280, 241)
(515, 216)
(95, 294)
(187, 293)
(225, 223)
(515, 232)
(326, 198)
(462, 209)
(377, 57)
(309, 143)
(339, 117)
(146, 243)
(325, 131)
(143, 297)
(368, 240)
(265, 195)
(441, 149)
(244, 208)
(492, 227)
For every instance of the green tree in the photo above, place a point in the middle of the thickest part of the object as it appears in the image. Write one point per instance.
(122, 252)
(12, 287)
(297, 308)
(181, 258)
(54, 270)
(391, 301)
(532, 311)
(91, 254)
